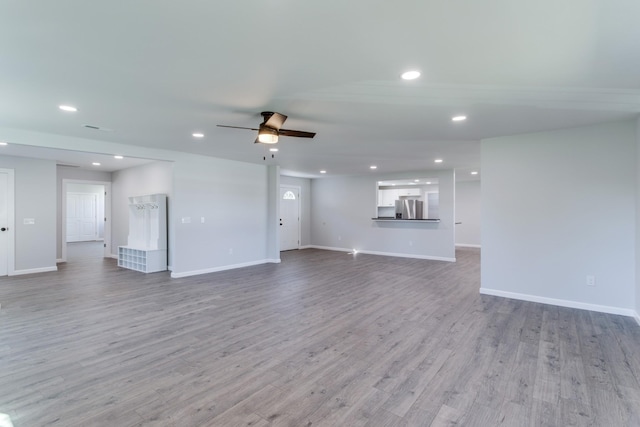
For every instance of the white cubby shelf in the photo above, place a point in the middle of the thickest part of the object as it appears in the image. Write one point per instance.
(146, 261)
(146, 249)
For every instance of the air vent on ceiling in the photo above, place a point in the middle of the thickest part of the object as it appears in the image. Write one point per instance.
(97, 128)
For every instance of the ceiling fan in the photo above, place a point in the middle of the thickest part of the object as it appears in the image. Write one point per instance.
(270, 129)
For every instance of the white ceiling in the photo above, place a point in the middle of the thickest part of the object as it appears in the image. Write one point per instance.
(154, 71)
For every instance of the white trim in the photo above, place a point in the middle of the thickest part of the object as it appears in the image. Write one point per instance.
(393, 254)
(59, 260)
(222, 268)
(560, 302)
(34, 270)
(467, 245)
(306, 247)
(637, 317)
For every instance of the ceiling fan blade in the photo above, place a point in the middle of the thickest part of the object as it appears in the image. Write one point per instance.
(296, 133)
(275, 120)
(235, 127)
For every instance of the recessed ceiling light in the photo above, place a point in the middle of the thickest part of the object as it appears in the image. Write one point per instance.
(273, 149)
(458, 118)
(323, 171)
(438, 160)
(412, 183)
(3, 143)
(197, 135)
(118, 157)
(474, 173)
(96, 163)
(393, 185)
(373, 167)
(428, 182)
(416, 180)
(68, 108)
(410, 75)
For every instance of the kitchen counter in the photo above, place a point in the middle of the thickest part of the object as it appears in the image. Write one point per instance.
(391, 219)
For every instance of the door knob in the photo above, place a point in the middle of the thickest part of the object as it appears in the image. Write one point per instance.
(5, 228)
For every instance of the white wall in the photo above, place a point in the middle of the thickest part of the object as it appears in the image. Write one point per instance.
(151, 178)
(343, 208)
(305, 205)
(233, 199)
(556, 207)
(637, 290)
(468, 213)
(35, 197)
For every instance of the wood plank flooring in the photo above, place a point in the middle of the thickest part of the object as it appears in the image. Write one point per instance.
(323, 339)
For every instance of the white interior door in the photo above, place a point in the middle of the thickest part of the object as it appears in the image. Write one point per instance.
(82, 222)
(289, 218)
(4, 224)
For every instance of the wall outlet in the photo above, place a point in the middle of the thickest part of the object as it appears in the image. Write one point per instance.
(186, 220)
(591, 280)
(202, 220)
(230, 251)
(339, 237)
(410, 242)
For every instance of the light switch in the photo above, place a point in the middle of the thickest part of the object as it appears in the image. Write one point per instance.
(186, 220)
(29, 221)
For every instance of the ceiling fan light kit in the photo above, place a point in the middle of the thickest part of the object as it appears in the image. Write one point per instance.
(267, 135)
(270, 129)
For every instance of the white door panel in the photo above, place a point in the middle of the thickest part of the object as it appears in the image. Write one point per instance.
(289, 218)
(4, 217)
(82, 223)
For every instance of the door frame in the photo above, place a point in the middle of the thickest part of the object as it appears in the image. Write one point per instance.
(11, 221)
(299, 193)
(107, 215)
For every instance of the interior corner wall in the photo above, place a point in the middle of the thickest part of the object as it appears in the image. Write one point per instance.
(35, 197)
(468, 203)
(150, 178)
(232, 197)
(343, 208)
(558, 207)
(305, 205)
(637, 287)
(63, 173)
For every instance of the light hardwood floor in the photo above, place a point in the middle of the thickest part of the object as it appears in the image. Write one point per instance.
(323, 339)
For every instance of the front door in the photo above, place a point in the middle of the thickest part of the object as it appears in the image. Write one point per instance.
(289, 218)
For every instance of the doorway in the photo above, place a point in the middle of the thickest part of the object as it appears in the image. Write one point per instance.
(86, 212)
(7, 255)
(289, 217)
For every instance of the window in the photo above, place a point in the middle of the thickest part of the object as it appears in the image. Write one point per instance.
(289, 196)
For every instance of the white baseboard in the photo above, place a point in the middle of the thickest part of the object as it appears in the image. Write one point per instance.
(637, 317)
(222, 268)
(59, 260)
(467, 245)
(562, 303)
(393, 254)
(34, 270)
(306, 247)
